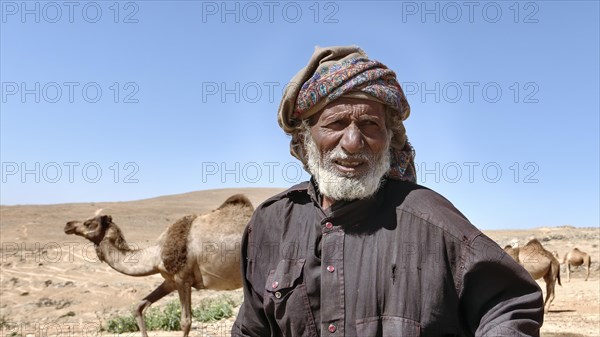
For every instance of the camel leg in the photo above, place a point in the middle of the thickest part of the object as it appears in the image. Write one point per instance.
(587, 274)
(587, 261)
(158, 293)
(550, 283)
(185, 297)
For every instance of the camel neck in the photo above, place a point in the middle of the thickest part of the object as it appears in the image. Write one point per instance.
(126, 259)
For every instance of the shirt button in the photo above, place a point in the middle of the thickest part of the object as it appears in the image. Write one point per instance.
(277, 294)
(329, 225)
(330, 269)
(274, 284)
(332, 328)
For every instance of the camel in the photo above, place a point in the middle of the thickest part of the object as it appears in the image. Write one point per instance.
(539, 263)
(577, 258)
(200, 251)
(555, 254)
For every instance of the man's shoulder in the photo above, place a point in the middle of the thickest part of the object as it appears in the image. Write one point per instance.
(298, 191)
(269, 217)
(411, 196)
(421, 202)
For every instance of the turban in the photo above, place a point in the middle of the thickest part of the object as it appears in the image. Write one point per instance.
(335, 72)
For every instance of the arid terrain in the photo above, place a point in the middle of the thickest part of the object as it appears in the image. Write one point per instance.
(52, 284)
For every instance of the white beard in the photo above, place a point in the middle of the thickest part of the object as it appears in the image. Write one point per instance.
(338, 186)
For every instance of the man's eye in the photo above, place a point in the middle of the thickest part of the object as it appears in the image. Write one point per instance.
(369, 124)
(337, 125)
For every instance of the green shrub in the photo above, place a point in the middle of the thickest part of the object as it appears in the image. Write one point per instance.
(214, 309)
(122, 324)
(169, 318)
(5, 323)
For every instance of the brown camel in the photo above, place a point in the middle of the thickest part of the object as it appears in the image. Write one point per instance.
(539, 263)
(196, 251)
(577, 258)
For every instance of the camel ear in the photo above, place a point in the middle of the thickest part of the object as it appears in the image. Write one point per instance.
(105, 220)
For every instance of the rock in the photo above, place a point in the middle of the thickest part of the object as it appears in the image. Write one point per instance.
(47, 302)
(62, 304)
(65, 284)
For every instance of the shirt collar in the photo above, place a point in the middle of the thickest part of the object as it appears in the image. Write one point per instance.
(346, 213)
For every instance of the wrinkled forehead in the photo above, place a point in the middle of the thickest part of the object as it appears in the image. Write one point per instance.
(351, 108)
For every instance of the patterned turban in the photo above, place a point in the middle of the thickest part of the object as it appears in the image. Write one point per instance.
(335, 72)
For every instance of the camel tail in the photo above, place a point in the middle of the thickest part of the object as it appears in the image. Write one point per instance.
(237, 200)
(558, 275)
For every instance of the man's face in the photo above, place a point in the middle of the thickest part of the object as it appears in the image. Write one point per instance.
(348, 148)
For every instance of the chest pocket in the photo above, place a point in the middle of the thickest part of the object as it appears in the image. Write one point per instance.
(387, 326)
(286, 301)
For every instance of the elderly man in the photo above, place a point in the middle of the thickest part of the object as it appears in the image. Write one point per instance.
(361, 250)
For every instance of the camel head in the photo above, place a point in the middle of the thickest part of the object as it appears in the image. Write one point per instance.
(93, 229)
(555, 254)
(512, 252)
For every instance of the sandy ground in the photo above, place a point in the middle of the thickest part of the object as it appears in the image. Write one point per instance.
(52, 284)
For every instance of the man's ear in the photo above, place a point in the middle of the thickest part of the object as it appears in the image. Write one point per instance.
(105, 220)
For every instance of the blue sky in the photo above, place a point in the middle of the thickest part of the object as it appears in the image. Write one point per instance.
(115, 101)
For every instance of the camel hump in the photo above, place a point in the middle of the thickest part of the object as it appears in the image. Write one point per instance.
(236, 200)
(534, 242)
(174, 250)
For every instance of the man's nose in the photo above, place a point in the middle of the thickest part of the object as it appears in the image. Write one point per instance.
(352, 139)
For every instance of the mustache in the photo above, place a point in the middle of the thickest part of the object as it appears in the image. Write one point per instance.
(339, 154)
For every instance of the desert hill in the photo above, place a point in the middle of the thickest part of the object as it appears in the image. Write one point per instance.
(142, 219)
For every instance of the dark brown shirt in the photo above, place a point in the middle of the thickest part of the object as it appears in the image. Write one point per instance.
(402, 263)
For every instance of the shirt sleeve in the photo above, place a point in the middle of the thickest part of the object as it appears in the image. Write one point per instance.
(251, 319)
(498, 297)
